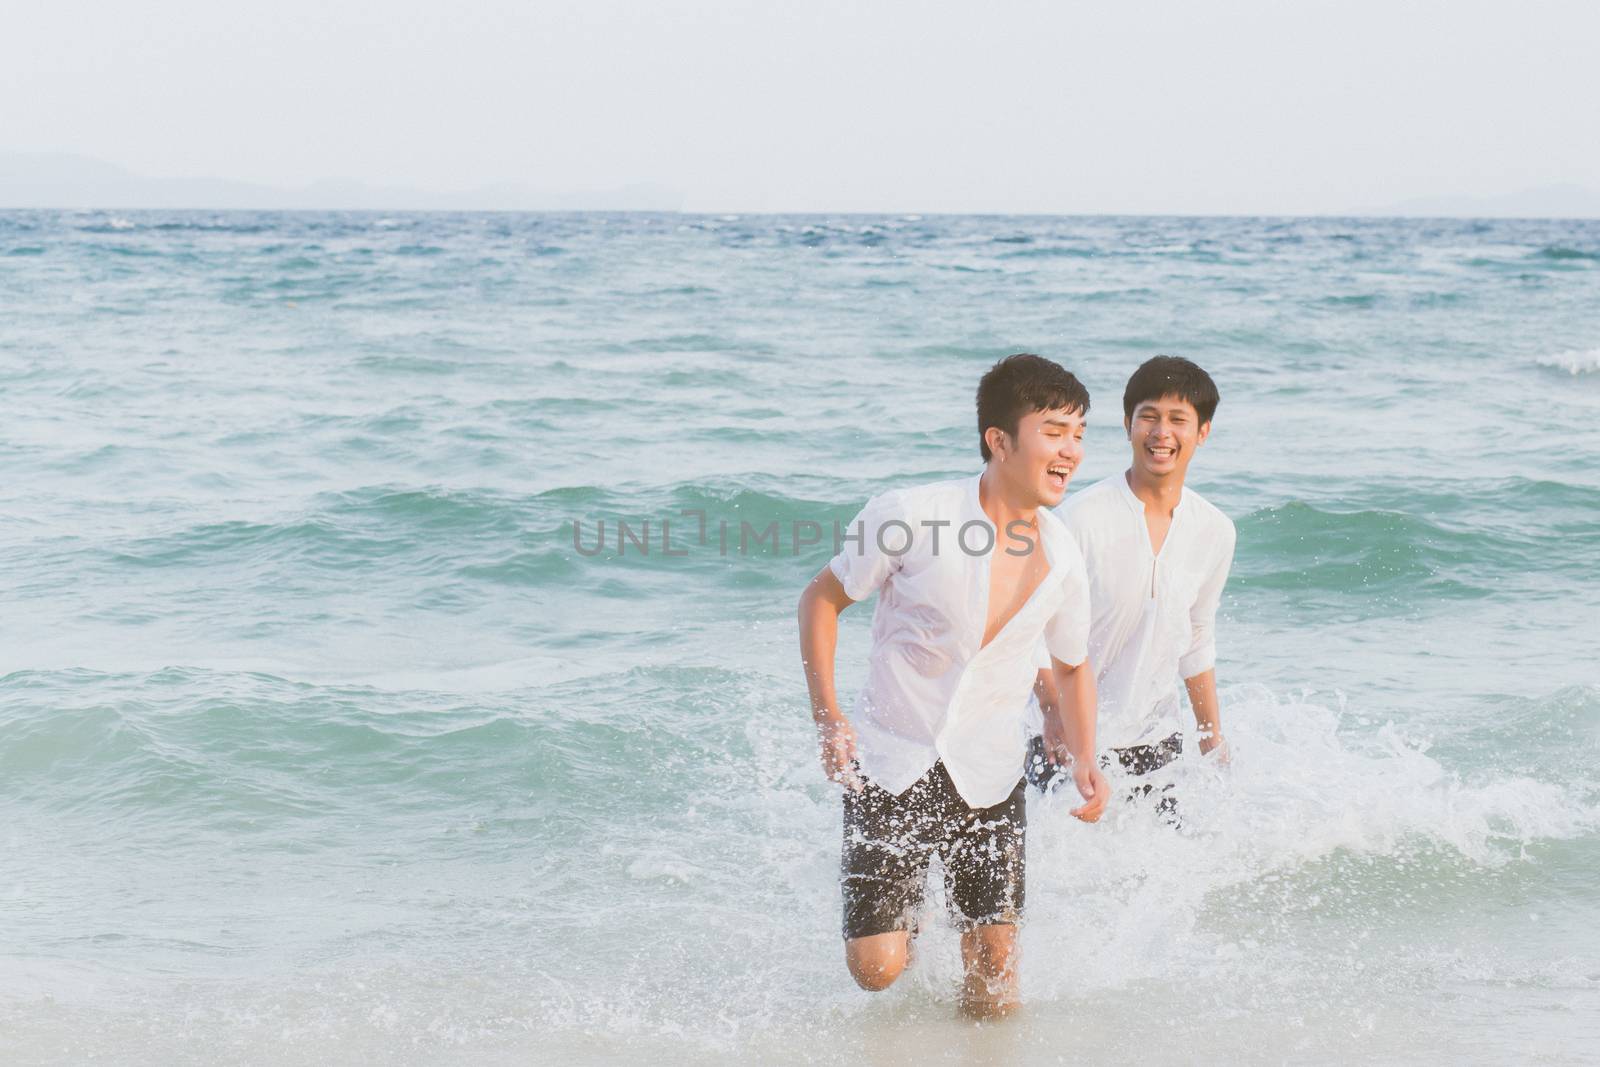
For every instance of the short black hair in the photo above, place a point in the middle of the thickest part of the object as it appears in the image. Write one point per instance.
(1021, 384)
(1171, 376)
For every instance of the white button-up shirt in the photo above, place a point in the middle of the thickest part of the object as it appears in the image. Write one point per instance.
(932, 693)
(1154, 613)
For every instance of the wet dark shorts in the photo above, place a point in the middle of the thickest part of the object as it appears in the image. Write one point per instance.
(1136, 759)
(889, 841)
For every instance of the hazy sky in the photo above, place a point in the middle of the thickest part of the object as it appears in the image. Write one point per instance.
(1298, 106)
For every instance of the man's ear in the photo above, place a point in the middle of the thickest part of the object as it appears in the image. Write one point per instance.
(1127, 426)
(997, 439)
(1205, 432)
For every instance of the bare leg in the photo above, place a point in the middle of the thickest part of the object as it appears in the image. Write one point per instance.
(877, 960)
(989, 954)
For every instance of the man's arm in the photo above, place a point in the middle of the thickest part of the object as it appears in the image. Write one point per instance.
(1198, 665)
(1044, 691)
(1068, 700)
(820, 606)
(1207, 713)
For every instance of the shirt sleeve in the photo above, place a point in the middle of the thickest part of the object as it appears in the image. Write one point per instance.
(1066, 635)
(1202, 654)
(863, 564)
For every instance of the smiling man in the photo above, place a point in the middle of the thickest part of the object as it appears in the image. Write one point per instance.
(1158, 556)
(972, 575)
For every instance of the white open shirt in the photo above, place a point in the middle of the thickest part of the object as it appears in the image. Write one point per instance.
(932, 693)
(1154, 614)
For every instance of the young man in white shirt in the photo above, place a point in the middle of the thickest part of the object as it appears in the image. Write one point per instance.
(1158, 555)
(972, 575)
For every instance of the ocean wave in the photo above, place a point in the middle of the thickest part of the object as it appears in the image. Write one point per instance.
(311, 541)
(1553, 734)
(740, 532)
(687, 342)
(1565, 254)
(137, 251)
(373, 528)
(210, 226)
(1437, 299)
(1298, 546)
(629, 812)
(1562, 500)
(819, 234)
(1132, 294)
(1053, 252)
(214, 750)
(403, 365)
(433, 508)
(203, 747)
(115, 224)
(1574, 362)
(724, 531)
(1328, 815)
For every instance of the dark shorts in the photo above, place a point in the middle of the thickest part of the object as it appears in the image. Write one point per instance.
(1136, 759)
(889, 841)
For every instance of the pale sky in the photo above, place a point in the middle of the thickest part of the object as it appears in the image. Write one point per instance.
(1206, 106)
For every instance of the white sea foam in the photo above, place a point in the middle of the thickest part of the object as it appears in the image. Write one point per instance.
(1574, 361)
(1305, 904)
(1318, 830)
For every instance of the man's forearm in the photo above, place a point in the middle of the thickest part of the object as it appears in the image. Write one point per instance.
(1044, 690)
(1075, 693)
(1207, 710)
(819, 640)
(820, 606)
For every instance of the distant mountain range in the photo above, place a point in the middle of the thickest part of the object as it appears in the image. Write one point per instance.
(1547, 202)
(60, 180)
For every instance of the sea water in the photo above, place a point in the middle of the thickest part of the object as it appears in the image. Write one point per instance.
(322, 739)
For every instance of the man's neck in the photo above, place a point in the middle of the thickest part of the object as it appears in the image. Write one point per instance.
(1157, 494)
(1002, 508)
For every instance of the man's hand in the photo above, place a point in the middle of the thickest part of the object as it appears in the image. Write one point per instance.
(836, 740)
(1095, 789)
(1216, 746)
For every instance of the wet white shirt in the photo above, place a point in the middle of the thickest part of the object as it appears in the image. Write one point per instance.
(931, 692)
(1154, 615)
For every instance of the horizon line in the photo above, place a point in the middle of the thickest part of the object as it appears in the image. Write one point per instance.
(810, 213)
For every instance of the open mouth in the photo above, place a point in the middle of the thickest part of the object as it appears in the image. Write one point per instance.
(1162, 452)
(1058, 475)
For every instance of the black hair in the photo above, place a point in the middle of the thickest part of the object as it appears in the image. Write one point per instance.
(1021, 384)
(1171, 376)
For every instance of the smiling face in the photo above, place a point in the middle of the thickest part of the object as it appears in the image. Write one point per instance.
(1165, 433)
(1036, 464)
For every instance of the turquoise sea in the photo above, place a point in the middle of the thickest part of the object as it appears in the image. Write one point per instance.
(321, 743)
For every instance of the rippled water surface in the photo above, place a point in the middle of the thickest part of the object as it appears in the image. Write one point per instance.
(321, 741)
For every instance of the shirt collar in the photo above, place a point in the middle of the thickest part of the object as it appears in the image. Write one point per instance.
(1132, 499)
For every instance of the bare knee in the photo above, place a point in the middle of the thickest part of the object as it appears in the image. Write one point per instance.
(877, 960)
(875, 977)
(989, 954)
